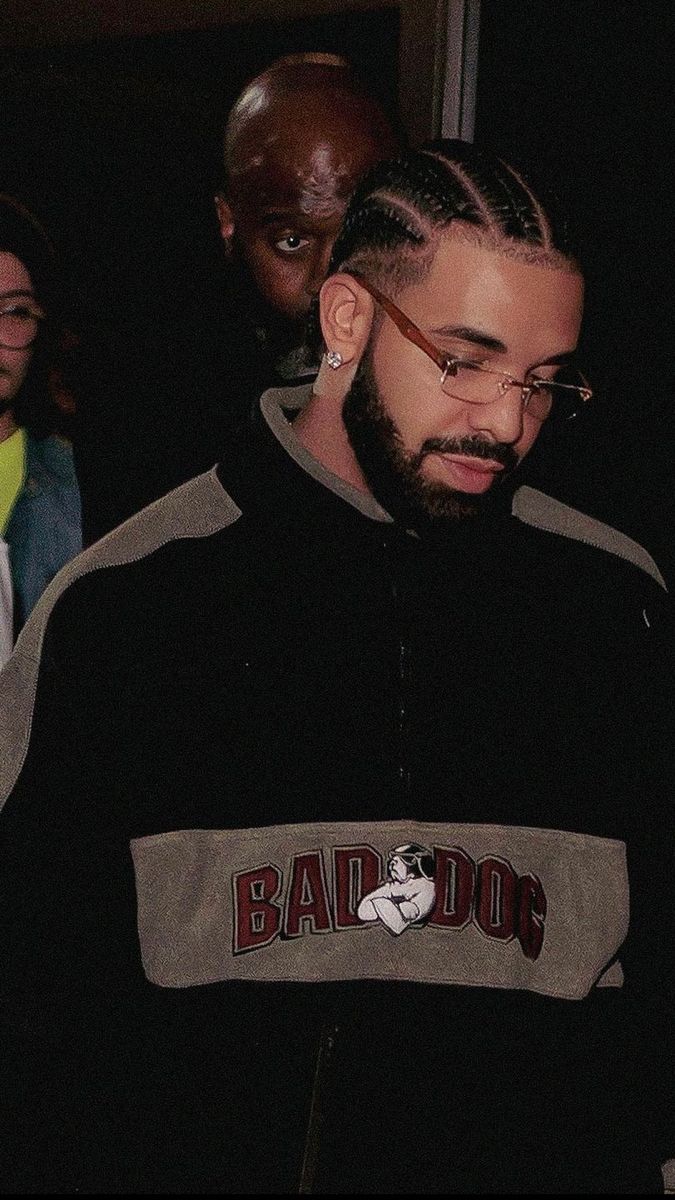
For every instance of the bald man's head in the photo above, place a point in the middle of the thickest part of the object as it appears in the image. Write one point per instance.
(296, 142)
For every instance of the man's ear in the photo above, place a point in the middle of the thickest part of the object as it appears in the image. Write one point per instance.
(225, 217)
(346, 317)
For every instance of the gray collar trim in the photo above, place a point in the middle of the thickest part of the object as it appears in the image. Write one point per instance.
(544, 512)
(272, 404)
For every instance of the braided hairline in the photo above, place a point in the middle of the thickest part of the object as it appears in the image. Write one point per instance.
(404, 265)
(490, 230)
(403, 208)
(543, 224)
(398, 266)
(488, 216)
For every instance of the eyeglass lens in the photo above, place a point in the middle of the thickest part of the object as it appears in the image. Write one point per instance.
(473, 385)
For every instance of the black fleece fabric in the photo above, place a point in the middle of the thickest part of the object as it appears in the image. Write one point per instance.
(311, 668)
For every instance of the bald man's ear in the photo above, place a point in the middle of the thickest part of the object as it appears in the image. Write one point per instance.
(225, 218)
(346, 317)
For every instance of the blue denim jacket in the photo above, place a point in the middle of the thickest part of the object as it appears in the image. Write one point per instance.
(45, 528)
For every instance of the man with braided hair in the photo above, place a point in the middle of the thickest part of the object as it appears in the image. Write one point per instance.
(358, 634)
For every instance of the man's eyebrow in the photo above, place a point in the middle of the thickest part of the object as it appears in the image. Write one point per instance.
(17, 292)
(466, 334)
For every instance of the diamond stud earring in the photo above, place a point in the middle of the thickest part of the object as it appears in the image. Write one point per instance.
(334, 359)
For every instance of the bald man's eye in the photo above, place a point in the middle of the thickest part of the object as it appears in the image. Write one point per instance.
(291, 243)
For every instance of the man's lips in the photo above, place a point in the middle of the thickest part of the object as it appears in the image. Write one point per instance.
(468, 474)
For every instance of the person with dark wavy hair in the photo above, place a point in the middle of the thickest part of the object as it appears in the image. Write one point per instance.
(40, 523)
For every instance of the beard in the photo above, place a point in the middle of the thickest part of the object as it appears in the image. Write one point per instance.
(394, 475)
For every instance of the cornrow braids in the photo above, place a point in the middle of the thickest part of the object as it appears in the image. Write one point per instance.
(402, 206)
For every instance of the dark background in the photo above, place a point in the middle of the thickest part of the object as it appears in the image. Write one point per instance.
(584, 92)
(116, 144)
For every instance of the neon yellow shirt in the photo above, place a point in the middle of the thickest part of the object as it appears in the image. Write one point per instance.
(12, 474)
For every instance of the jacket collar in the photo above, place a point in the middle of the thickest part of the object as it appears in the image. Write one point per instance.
(274, 405)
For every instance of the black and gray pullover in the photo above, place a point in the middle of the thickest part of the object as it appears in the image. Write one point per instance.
(222, 725)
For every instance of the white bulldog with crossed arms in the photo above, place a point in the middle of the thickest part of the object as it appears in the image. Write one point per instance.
(409, 894)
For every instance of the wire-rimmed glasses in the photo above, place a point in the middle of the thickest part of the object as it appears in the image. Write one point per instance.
(475, 383)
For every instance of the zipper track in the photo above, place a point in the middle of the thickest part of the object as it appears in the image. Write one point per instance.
(310, 1158)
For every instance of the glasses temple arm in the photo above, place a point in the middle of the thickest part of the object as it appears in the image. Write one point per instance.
(403, 323)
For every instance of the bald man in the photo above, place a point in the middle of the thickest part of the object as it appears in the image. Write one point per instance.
(297, 139)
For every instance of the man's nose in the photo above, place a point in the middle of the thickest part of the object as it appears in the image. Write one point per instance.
(500, 419)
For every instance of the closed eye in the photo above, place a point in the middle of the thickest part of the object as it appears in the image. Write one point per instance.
(472, 364)
(481, 364)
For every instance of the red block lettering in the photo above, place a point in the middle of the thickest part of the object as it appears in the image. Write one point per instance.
(257, 917)
(531, 915)
(307, 901)
(356, 871)
(496, 901)
(455, 877)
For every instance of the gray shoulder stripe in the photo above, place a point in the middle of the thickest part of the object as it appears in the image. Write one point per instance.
(544, 512)
(197, 509)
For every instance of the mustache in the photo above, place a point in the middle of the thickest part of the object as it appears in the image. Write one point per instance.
(471, 447)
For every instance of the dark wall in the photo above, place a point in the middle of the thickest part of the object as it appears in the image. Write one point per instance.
(584, 89)
(117, 146)
(116, 143)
